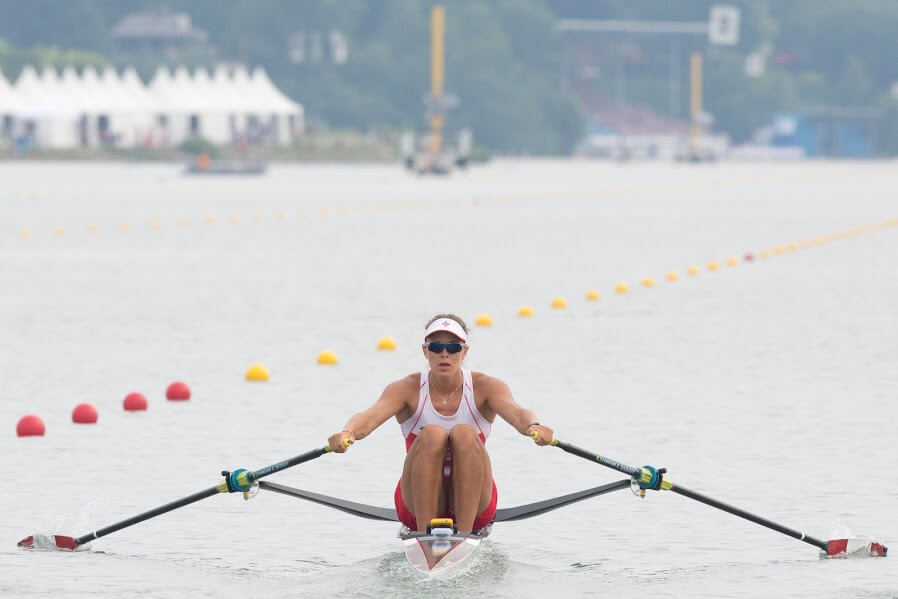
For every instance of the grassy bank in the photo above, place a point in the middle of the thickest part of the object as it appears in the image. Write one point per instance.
(342, 146)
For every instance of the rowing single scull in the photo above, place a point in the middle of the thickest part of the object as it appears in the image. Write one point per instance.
(441, 548)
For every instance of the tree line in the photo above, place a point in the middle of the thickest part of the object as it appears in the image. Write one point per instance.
(506, 60)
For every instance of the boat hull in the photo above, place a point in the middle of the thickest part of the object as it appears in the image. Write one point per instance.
(435, 555)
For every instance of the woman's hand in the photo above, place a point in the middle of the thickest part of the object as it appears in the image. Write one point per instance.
(541, 435)
(340, 442)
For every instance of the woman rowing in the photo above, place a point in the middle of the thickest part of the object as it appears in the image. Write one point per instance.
(445, 413)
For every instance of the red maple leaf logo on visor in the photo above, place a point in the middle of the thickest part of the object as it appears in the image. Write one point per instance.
(445, 323)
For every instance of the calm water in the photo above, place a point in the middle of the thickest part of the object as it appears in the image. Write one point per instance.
(770, 384)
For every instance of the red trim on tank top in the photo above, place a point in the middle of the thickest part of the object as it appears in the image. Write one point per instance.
(474, 417)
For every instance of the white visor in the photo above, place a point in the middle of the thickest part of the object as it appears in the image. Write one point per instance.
(446, 324)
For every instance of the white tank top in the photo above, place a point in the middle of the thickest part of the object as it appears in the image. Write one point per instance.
(425, 414)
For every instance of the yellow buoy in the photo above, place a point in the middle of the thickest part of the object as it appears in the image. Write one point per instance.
(25, 234)
(793, 246)
(154, 224)
(713, 265)
(525, 312)
(805, 244)
(484, 320)
(622, 287)
(559, 302)
(386, 343)
(765, 253)
(124, 227)
(648, 282)
(732, 261)
(672, 276)
(592, 295)
(257, 372)
(59, 231)
(327, 357)
(693, 270)
(209, 220)
(780, 250)
(92, 229)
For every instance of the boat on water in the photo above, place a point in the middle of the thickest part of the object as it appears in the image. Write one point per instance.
(204, 165)
(441, 548)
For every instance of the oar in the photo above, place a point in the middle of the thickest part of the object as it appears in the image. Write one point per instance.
(649, 479)
(239, 480)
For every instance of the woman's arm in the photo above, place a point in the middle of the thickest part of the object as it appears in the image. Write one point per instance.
(393, 399)
(499, 399)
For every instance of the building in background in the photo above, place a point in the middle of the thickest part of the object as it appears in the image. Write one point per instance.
(828, 131)
(164, 32)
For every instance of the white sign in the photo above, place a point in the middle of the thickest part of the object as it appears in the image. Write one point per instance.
(723, 25)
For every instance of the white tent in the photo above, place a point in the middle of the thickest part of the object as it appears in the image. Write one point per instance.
(228, 106)
(285, 117)
(133, 122)
(80, 98)
(9, 107)
(218, 124)
(45, 118)
(143, 103)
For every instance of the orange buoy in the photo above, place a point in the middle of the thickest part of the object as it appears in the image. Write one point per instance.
(30, 425)
(84, 413)
(178, 391)
(134, 402)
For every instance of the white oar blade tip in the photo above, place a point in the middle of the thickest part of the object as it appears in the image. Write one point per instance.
(48, 543)
(854, 548)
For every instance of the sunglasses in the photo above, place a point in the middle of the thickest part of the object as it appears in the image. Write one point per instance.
(452, 348)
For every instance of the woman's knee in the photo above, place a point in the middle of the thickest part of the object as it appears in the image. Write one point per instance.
(463, 435)
(432, 438)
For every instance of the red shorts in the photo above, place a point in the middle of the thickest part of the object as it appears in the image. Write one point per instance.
(408, 518)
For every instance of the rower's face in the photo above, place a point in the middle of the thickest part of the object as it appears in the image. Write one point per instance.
(443, 362)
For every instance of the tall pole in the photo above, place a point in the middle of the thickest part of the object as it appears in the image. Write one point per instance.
(673, 78)
(437, 20)
(695, 102)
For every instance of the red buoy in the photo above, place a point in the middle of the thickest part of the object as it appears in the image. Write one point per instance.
(84, 413)
(30, 426)
(748, 257)
(178, 391)
(135, 401)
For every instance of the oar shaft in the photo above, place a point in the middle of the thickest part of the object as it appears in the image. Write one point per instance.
(305, 457)
(637, 473)
(795, 534)
(245, 478)
(609, 463)
(147, 515)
